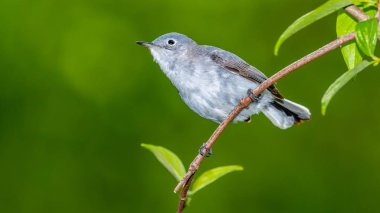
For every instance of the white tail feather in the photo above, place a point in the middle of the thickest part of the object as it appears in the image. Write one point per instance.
(278, 117)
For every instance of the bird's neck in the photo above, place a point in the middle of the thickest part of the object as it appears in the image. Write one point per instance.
(171, 65)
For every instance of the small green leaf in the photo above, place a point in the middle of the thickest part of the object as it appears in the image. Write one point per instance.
(365, 2)
(366, 36)
(168, 159)
(369, 10)
(311, 17)
(340, 82)
(346, 24)
(212, 175)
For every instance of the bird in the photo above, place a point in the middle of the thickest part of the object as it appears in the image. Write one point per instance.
(212, 81)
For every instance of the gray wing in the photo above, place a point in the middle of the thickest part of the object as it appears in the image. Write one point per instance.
(233, 63)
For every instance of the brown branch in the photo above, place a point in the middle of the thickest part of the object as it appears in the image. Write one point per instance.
(207, 147)
(245, 102)
(183, 196)
(357, 13)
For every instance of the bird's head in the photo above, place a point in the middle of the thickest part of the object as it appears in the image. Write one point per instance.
(169, 47)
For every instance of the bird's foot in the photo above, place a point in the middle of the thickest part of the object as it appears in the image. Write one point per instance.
(203, 149)
(252, 96)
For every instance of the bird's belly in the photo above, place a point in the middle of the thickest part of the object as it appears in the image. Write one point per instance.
(214, 98)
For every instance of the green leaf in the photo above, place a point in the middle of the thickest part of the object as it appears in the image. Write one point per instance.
(168, 159)
(369, 10)
(366, 36)
(340, 82)
(346, 24)
(212, 175)
(365, 2)
(309, 18)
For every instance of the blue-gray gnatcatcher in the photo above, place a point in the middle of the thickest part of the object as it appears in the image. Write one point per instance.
(211, 81)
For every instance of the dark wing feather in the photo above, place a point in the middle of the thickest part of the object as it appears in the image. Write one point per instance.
(235, 64)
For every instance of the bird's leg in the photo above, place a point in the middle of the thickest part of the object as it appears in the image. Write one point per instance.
(202, 151)
(252, 96)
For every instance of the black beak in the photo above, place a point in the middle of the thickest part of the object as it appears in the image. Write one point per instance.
(145, 44)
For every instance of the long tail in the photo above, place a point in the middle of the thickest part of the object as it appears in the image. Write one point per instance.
(284, 113)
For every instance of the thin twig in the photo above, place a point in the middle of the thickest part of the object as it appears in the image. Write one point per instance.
(207, 147)
(183, 196)
(245, 102)
(357, 12)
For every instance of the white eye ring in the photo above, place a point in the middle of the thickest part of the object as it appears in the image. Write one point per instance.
(171, 42)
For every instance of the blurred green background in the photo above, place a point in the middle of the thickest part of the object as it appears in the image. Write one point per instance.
(78, 96)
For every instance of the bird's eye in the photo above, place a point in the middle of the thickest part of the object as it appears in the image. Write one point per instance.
(171, 42)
